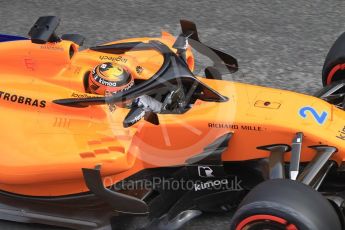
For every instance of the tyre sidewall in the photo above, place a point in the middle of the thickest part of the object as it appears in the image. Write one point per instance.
(293, 201)
(273, 209)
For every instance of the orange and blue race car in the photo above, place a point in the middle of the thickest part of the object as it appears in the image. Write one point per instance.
(95, 138)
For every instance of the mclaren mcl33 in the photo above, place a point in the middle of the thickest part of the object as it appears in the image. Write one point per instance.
(101, 137)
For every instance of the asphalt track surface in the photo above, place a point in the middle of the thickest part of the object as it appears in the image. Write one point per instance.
(279, 44)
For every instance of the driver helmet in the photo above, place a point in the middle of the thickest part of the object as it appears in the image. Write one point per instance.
(110, 78)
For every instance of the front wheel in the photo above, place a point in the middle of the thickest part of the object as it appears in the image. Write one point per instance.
(286, 205)
(334, 66)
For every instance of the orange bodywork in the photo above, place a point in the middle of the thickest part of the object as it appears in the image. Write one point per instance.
(44, 146)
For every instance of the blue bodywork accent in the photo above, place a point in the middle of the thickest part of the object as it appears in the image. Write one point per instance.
(320, 118)
(7, 38)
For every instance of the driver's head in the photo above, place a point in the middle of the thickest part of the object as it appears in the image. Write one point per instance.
(109, 78)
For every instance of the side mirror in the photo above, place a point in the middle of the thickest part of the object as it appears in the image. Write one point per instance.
(43, 30)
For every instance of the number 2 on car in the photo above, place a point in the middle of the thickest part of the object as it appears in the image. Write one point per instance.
(308, 111)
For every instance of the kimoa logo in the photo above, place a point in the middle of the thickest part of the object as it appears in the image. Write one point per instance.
(107, 83)
(210, 184)
(205, 171)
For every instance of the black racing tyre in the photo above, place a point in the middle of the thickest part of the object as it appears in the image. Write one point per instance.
(334, 65)
(286, 205)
